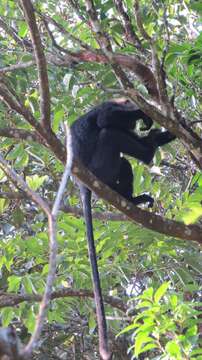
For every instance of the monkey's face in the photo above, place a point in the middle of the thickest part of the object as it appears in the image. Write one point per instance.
(128, 104)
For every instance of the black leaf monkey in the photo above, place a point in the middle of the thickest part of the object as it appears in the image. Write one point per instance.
(99, 139)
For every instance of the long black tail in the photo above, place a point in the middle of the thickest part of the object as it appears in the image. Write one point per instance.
(100, 312)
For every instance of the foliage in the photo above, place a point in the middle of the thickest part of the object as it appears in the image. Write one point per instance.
(131, 258)
(165, 327)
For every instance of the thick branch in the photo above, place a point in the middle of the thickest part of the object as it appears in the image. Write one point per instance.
(142, 72)
(41, 63)
(75, 211)
(149, 220)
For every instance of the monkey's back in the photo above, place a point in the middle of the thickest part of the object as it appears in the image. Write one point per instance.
(85, 134)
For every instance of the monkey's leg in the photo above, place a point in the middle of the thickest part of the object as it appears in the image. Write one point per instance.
(124, 185)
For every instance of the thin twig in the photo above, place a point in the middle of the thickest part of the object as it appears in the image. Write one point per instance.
(52, 228)
(129, 30)
(75, 6)
(13, 102)
(64, 31)
(21, 134)
(9, 299)
(103, 40)
(159, 72)
(12, 32)
(20, 183)
(18, 66)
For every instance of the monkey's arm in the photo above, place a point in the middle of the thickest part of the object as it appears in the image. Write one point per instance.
(157, 138)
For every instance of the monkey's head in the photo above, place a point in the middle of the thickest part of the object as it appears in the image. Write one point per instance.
(124, 101)
(131, 106)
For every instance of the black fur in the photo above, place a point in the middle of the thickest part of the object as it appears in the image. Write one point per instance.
(106, 132)
(99, 138)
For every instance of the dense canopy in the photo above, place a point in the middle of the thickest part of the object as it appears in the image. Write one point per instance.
(59, 59)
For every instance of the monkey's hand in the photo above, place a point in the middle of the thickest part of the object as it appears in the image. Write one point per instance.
(156, 138)
(149, 200)
(142, 199)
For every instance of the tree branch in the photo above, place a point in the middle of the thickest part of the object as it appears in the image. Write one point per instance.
(19, 182)
(159, 73)
(10, 300)
(12, 32)
(65, 32)
(52, 228)
(129, 30)
(149, 220)
(175, 123)
(20, 134)
(15, 104)
(41, 63)
(130, 62)
(52, 218)
(103, 216)
(105, 45)
(18, 66)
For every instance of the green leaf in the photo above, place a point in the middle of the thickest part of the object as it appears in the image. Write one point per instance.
(3, 205)
(192, 214)
(28, 284)
(45, 269)
(7, 315)
(23, 29)
(18, 217)
(173, 349)
(192, 331)
(196, 6)
(35, 181)
(30, 321)
(196, 352)
(22, 160)
(161, 291)
(17, 151)
(92, 322)
(129, 328)
(14, 283)
(141, 339)
(173, 301)
(58, 117)
(147, 347)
